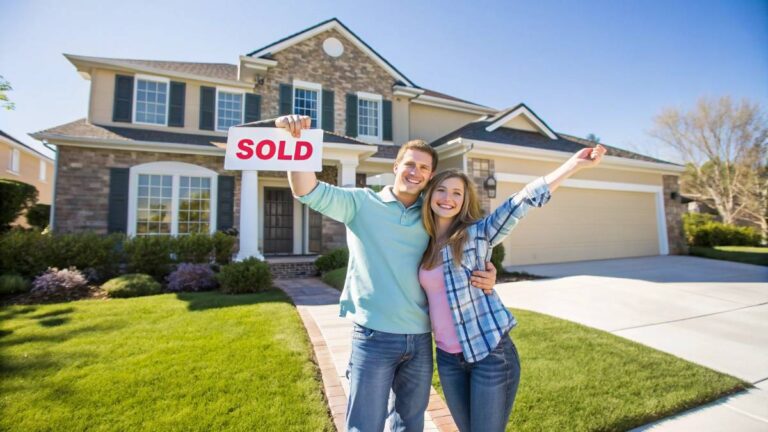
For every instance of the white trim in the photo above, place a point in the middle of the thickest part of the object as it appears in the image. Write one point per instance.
(306, 85)
(370, 96)
(373, 97)
(333, 24)
(452, 105)
(216, 106)
(174, 169)
(26, 149)
(163, 80)
(522, 110)
(114, 144)
(404, 91)
(42, 173)
(15, 161)
(658, 191)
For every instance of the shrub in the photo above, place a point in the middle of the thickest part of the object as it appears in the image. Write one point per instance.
(150, 255)
(38, 215)
(22, 252)
(194, 248)
(224, 246)
(249, 275)
(99, 254)
(13, 284)
(192, 277)
(718, 234)
(54, 282)
(497, 257)
(132, 285)
(17, 197)
(336, 258)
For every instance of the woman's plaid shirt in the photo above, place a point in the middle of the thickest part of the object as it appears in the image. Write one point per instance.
(481, 319)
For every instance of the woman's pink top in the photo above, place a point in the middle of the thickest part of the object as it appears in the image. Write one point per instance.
(433, 283)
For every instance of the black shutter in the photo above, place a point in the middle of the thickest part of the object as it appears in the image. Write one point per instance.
(176, 104)
(351, 115)
(122, 110)
(328, 110)
(225, 210)
(117, 216)
(252, 107)
(387, 120)
(286, 99)
(207, 107)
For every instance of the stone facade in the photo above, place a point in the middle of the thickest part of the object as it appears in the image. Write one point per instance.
(674, 209)
(289, 270)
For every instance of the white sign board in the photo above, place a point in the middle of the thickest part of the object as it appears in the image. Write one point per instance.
(273, 149)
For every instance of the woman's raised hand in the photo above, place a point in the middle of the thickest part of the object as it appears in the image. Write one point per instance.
(588, 157)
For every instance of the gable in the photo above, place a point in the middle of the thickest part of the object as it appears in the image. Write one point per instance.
(521, 123)
(522, 118)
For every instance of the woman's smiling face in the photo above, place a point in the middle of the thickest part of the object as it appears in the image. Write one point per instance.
(448, 197)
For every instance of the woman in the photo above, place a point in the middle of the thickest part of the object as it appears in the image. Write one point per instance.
(477, 362)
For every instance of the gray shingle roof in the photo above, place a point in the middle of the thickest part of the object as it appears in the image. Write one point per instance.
(10, 138)
(211, 70)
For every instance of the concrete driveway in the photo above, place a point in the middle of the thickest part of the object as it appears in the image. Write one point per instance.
(714, 313)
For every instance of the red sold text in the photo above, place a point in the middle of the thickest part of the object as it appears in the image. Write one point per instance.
(267, 149)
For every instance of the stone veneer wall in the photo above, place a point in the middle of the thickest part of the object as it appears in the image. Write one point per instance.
(674, 210)
(293, 270)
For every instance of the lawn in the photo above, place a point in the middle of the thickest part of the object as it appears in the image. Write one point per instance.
(578, 378)
(742, 254)
(197, 362)
(335, 278)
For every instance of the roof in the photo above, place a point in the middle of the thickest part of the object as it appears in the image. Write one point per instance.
(387, 152)
(428, 92)
(10, 138)
(565, 143)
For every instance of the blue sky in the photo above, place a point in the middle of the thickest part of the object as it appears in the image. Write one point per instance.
(604, 67)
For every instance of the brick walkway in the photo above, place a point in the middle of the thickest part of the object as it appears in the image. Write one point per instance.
(318, 306)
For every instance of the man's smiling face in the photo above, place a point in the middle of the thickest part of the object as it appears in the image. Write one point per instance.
(412, 173)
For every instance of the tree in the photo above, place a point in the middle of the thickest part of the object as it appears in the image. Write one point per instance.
(5, 86)
(594, 138)
(15, 198)
(725, 149)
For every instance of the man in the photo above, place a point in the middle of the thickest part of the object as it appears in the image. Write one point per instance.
(392, 341)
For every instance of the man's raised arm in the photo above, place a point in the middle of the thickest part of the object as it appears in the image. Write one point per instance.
(301, 183)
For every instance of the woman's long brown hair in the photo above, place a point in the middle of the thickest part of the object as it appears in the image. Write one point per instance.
(457, 231)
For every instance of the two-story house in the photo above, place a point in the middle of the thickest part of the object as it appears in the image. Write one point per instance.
(148, 159)
(23, 163)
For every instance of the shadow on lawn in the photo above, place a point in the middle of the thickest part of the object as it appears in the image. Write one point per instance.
(215, 299)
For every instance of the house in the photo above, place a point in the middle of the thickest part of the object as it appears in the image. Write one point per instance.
(148, 159)
(23, 163)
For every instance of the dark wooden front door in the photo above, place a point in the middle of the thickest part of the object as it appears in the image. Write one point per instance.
(278, 221)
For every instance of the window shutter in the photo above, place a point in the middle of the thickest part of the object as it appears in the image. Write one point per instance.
(286, 99)
(207, 107)
(117, 215)
(123, 107)
(351, 115)
(387, 120)
(328, 110)
(252, 107)
(176, 104)
(225, 209)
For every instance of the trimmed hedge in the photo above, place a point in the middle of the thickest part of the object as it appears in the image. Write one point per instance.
(336, 258)
(38, 215)
(497, 257)
(13, 284)
(132, 285)
(248, 276)
(703, 230)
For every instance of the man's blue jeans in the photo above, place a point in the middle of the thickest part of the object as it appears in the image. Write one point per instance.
(480, 395)
(381, 363)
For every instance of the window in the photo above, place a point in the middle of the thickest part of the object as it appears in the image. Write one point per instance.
(369, 116)
(13, 164)
(151, 101)
(229, 109)
(171, 198)
(307, 100)
(42, 171)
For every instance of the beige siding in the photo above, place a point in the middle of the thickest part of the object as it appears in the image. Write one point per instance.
(512, 165)
(429, 123)
(583, 224)
(520, 122)
(400, 120)
(29, 170)
(454, 162)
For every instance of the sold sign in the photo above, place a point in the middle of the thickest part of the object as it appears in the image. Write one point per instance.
(273, 149)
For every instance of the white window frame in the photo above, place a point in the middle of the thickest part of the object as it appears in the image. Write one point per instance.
(167, 81)
(13, 163)
(216, 105)
(374, 98)
(43, 174)
(176, 170)
(306, 85)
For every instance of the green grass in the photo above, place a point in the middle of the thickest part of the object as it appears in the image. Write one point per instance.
(578, 378)
(335, 278)
(742, 254)
(197, 362)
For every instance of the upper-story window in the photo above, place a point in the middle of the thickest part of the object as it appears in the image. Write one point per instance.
(229, 108)
(13, 163)
(151, 97)
(307, 100)
(369, 116)
(42, 175)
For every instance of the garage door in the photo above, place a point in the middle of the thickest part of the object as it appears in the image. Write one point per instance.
(584, 224)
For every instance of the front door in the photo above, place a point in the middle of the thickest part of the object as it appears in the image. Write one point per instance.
(278, 221)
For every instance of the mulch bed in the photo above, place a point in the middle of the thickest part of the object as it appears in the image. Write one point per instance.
(87, 292)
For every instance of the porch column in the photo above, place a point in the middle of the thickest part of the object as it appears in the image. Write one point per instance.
(347, 172)
(249, 216)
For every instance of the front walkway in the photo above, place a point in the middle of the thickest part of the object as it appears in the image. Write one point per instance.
(330, 335)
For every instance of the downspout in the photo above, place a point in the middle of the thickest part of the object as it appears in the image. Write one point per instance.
(52, 216)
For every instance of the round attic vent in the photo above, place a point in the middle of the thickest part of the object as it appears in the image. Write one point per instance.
(333, 47)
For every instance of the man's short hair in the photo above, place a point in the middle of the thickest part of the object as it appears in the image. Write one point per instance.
(421, 146)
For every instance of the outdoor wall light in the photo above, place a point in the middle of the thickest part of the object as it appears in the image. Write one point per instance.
(673, 196)
(490, 186)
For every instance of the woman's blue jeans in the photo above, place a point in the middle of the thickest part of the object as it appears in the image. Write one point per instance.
(381, 364)
(480, 395)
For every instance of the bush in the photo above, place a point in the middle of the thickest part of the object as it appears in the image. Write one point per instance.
(192, 277)
(336, 278)
(702, 230)
(150, 255)
(54, 282)
(22, 252)
(132, 285)
(223, 246)
(13, 284)
(38, 215)
(497, 257)
(249, 275)
(194, 248)
(17, 197)
(336, 258)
